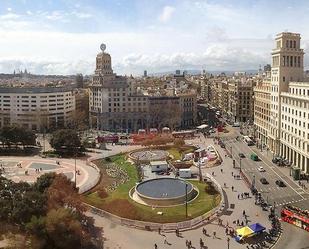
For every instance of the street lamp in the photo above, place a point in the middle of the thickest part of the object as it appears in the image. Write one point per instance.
(228, 243)
(240, 164)
(186, 200)
(75, 168)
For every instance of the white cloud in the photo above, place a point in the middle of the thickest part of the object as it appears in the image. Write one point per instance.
(9, 16)
(56, 15)
(166, 14)
(9, 9)
(81, 15)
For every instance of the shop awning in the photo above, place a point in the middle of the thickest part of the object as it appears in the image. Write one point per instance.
(244, 232)
(257, 227)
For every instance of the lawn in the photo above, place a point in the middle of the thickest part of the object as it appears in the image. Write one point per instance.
(177, 152)
(118, 202)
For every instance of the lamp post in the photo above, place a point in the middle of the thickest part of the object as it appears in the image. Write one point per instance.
(186, 200)
(240, 164)
(228, 243)
(75, 168)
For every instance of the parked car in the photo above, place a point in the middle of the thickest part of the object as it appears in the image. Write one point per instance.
(241, 155)
(280, 183)
(276, 159)
(261, 169)
(263, 180)
(236, 124)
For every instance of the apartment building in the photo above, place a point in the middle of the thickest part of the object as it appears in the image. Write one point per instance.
(284, 102)
(36, 108)
(262, 110)
(241, 102)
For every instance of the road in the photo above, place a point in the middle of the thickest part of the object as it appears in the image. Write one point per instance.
(292, 237)
(279, 196)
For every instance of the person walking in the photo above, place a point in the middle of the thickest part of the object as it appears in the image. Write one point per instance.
(214, 235)
(155, 246)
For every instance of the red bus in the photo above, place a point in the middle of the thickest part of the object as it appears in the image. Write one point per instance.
(296, 216)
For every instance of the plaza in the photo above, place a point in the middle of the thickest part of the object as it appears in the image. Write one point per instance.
(28, 169)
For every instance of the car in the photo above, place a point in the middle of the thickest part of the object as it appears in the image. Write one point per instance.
(261, 169)
(263, 180)
(276, 159)
(280, 183)
(236, 124)
(241, 155)
(254, 157)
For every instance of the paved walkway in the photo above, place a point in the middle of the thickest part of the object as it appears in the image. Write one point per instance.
(124, 237)
(87, 176)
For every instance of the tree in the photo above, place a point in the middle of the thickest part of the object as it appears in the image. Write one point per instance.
(66, 140)
(44, 181)
(14, 135)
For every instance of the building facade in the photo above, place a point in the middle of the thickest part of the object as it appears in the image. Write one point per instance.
(241, 101)
(113, 103)
(285, 131)
(116, 104)
(36, 108)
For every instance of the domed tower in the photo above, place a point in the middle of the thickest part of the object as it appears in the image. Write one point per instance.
(103, 62)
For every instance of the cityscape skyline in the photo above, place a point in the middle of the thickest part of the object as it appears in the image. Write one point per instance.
(157, 37)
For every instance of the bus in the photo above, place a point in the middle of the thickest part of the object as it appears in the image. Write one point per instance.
(248, 141)
(296, 216)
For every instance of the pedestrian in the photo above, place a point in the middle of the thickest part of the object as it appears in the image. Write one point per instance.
(244, 213)
(155, 246)
(233, 174)
(224, 185)
(237, 222)
(165, 241)
(221, 170)
(214, 234)
(204, 231)
(242, 223)
(238, 196)
(233, 188)
(159, 230)
(201, 242)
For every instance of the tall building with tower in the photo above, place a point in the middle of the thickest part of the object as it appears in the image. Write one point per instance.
(113, 104)
(282, 104)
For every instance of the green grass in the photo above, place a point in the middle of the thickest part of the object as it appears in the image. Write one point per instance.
(177, 153)
(119, 202)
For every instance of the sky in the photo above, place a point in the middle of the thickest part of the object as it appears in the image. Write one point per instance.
(64, 36)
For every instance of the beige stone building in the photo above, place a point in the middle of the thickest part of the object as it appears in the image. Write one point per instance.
(241, 102)
(262, 110)
(286, 130)
(116, 104)
(37, 108)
